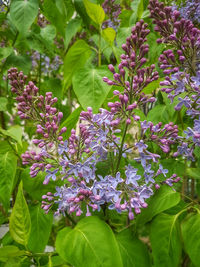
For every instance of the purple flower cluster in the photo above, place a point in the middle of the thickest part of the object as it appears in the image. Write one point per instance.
(39, 109)
(75, 160)
(180, 33)
(190, 10)
(132, 61)
(112, 10)
(47, 65)
(180, 64)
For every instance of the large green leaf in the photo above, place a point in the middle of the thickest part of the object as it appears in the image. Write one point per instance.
(20, 221)
(8, 165)
(95, 12)
(163, 199)
(138, 8)
(81, 10)
(89, 87)
(191, 237)
(193, 172)
(41, 224)
(134, 253)
(90, 243)
(75, 59)
(48, 33)
(23, 14)
(165, 241)
(5, 52)
(53, 14)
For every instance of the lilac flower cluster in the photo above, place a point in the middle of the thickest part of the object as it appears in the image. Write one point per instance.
(190, 10)
(75, 160)
(134, 58)
(39, 109)
(112, 10)
(180, 34)
(182, 60)
(47, 65)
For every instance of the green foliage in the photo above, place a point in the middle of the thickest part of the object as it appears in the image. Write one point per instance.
(166, 241)
(89, 87)
(82, 246)
(20, 221)
(8, 165)
(23, 14)
(164, 199)
(75, 58)
(191, 237)
(95, 12)
(41, 224)
(134, 253)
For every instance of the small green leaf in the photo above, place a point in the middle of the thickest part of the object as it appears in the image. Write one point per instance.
(109, 35)
(151, 87)
(48, 33)
(163, 199)
(14, 132)
(193, 172)
(3, 103)
(191, 237)
(71, 121)
(8, 165)
(5, 52)
(90, 243)
(158, 113)
(89, 87)
(75, 59)
(20, 221)
(81, 10)
(166, 241)
(23, 14)
(95, 12)
(41, 224)
(8, 252)
(134, 253)
(72, 27)
(138, 8)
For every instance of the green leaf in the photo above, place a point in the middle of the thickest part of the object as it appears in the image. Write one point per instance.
(41, 224)
(52, 13)
(8, 165)
(23, 14)
(10, 252)
(20, 221)
(48, 33)
(109, 35)
(165, 241)
(34, 186)
(71, 121)
(90, 243)
(89, 87)
(5, 147)
(138, 8)
(5, 52)
(191, 237)
(158, 113)
(22, 62)
(80, 8)
(75, 59)
(134, 253)
(193, 172)
(14, 132)
(72, 27)
(151, 87)
(95, 12)
(163, 199)
(3, 103)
